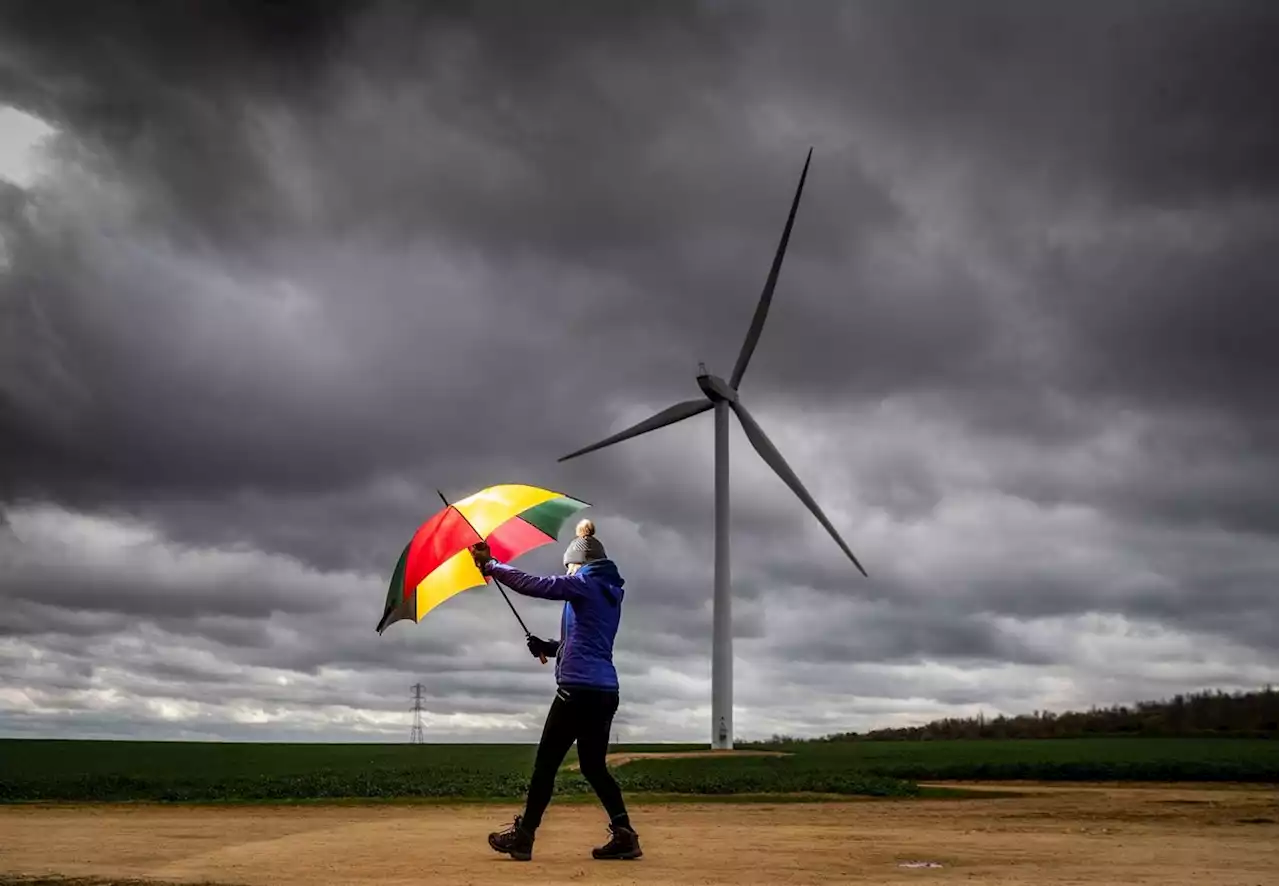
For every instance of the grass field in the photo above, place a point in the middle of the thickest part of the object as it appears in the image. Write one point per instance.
(1070, 759)
(187, 771)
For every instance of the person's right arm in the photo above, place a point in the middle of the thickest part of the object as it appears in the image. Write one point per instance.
(546, 587)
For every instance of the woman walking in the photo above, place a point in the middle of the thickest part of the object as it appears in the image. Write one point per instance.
(586, 687)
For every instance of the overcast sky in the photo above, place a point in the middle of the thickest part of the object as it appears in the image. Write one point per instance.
(269, 278)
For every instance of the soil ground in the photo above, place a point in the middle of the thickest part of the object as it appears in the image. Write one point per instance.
(1044, 835)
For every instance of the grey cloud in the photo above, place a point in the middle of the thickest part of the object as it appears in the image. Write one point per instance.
(903, 634)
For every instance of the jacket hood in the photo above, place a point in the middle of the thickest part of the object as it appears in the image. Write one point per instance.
(606, 573)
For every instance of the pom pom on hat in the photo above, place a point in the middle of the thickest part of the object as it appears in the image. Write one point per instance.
(586, 547)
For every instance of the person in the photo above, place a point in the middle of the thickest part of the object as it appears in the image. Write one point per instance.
(586, 687)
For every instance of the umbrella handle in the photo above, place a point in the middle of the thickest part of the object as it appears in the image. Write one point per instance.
(542, 658)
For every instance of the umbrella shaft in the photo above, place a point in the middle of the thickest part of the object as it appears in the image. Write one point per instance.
(513, 609)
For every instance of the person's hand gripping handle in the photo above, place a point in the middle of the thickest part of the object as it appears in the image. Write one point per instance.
(538, 647)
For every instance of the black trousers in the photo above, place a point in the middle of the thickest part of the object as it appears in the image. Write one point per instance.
(584, 716)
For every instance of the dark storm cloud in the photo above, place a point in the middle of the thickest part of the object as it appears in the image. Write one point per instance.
(1151, 101)
(145, 89)
(298, 265)
(1146, 127)
(1168, 322)
(287, 433)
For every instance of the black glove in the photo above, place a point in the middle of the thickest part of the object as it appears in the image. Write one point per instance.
(483, 556)
(539, 648)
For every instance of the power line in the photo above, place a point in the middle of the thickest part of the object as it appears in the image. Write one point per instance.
(415, 734)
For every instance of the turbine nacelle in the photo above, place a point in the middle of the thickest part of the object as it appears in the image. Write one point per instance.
(715, 387)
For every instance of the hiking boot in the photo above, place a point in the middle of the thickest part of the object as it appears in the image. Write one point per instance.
(623, 843)
(514, 841)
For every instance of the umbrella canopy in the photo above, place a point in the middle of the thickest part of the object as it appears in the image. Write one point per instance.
(436, 564)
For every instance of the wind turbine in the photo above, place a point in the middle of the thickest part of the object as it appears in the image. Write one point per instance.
(722, 396)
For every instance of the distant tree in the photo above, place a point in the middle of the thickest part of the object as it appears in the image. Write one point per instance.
(1216, 713)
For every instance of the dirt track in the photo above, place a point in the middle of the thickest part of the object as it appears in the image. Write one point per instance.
(1060, 835)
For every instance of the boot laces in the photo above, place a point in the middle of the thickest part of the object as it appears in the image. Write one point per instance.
(513, 829)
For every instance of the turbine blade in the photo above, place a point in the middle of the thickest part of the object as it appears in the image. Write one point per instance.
(668, 416)
(762, 309)
(774, 459)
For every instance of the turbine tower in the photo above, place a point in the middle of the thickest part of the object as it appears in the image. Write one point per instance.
(722, 396)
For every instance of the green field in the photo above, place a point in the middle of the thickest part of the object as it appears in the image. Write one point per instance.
(188, 771)
(1066, 759)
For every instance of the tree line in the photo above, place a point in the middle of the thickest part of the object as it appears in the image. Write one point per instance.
(1198, 714)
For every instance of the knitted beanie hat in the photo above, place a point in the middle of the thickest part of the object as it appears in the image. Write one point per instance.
(586, 547)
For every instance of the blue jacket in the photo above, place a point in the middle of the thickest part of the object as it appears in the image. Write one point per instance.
(588, 624)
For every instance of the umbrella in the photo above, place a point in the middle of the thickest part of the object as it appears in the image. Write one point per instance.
(436, 563)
